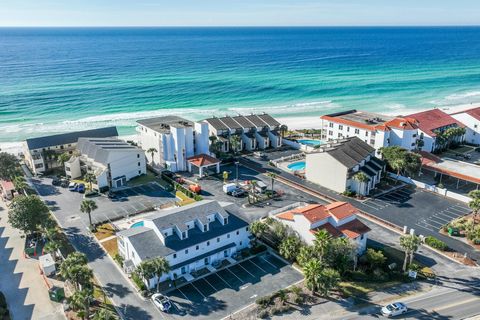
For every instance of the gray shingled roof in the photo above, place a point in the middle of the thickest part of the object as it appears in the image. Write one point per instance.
(217, 123)
(268, 119)
(244, 122)
(253, 118)
(71, 137)
(148, 245)
(350, 151)
(231, 123)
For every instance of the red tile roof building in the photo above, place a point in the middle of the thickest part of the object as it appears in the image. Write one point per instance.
(339, 219)
(471, 119)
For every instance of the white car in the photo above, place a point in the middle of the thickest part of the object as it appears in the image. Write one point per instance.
(161, 302)
(394, 309)
(72, 186)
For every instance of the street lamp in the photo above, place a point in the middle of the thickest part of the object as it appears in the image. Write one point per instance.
(236, 172)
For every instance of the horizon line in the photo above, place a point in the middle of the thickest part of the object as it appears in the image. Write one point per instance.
(251, 26)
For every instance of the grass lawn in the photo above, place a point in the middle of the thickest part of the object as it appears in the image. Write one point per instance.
(361, 288)
(111, 246)
(143, 179)
(184, 199)
(104, 231)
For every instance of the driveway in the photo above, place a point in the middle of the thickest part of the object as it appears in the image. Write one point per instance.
(24, 288)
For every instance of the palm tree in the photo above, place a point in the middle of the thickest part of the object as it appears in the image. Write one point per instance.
(87, 206)
(235, 143)
(474, 204)
(64, 157)
(146, 271)
(90, 178)
(329, 279)
(73, 269)
(283, 130)
(20, 183)
(52, 247)
(160, 266)
(410, 244)
(361, 178)
(252, 192)
(152, 152)
(82, 299)
(312, 271)
(272, 176)
(104, 314)
(258, 229)
(289, 247)
(305, 254)
(322, 242)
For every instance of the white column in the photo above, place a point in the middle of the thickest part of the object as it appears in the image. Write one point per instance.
(218, 167)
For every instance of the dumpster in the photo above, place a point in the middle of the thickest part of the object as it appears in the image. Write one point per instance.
(56, 294)
(47, 264)
(453, 231)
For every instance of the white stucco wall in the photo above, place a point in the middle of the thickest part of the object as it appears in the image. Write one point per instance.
(324, 170)
(472, 125)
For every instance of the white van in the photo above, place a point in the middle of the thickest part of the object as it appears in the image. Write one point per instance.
(229, 188)
(260, 186)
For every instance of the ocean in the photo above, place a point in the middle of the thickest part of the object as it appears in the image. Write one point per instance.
(55, 80)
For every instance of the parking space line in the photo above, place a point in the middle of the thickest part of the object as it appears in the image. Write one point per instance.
(276, 268)
(223, 280)
(228, 269)
(403, 192)
(371, 207)
(240, 265)
(392, 198)
(194, 286)
(210, 284)
(258, 266)
(183, 294)
(458, 209)
(441, 218)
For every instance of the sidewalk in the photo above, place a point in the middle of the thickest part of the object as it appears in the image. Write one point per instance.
(24, 288)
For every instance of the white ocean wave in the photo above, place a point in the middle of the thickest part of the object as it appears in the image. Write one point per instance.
(289, 109)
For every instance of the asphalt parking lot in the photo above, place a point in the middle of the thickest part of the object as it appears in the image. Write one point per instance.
(65, 204)
(212, 189)
(228, 290)
(416, 208)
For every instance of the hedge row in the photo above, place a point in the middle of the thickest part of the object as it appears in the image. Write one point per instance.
(179, 187)
(435, 243)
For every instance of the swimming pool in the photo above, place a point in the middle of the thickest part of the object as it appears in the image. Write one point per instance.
(137, 224)
(310, 142)
(300, 165)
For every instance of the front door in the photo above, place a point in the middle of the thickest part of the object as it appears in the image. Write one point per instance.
(206, 261)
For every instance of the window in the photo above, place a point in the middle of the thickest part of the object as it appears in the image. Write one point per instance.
(133, 254)
(240, 242)
(186, 251)
(138, 164)
(184, 235)
(330, 124)
(208, 243)
(165, 234)
(246, 229)
(139, 172)
(366, 133)
(339, 135)
(348, 129)
(38, 165)
(138, 155)
(413, 144)
(228, 236)
(340, 127)
(475, 126)
(218, 239)
(197, 247)
(204, 228)
(238, 232)
(361, 237)
(174, 256)
(330, 133)
(225, 220)
(414, 136)
(357, 131)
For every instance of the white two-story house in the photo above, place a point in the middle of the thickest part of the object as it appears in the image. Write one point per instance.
(113, 162)
(190, 238)
(335, 164)
(339, 219)
(471, 119)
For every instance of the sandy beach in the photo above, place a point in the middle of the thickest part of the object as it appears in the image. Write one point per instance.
(293, 123)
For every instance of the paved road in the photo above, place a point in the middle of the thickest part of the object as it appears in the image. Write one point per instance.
(129, 303)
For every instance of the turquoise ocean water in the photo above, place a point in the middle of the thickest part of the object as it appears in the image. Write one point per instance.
(56, 80)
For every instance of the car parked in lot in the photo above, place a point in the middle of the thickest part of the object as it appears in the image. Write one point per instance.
(238, 192)
(56, 181)
(394, 309)
(72, 186)
(64, 183)
(161, 302)
(80, 188)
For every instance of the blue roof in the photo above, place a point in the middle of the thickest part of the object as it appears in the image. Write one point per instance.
(71, 137)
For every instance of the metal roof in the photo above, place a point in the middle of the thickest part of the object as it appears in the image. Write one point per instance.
(71, 137)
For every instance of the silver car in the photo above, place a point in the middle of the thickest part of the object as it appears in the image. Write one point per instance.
(394, 309)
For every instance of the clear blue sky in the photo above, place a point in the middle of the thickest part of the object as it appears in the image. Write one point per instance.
(238, 12)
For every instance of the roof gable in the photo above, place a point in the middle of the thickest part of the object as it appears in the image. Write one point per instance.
(430, 120)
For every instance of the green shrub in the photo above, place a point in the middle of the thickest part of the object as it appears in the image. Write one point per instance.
(435, 243)
(138, 281)
(349, 193)
(262, 314)
(258, 249)
(119, 259)
(264, 301)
